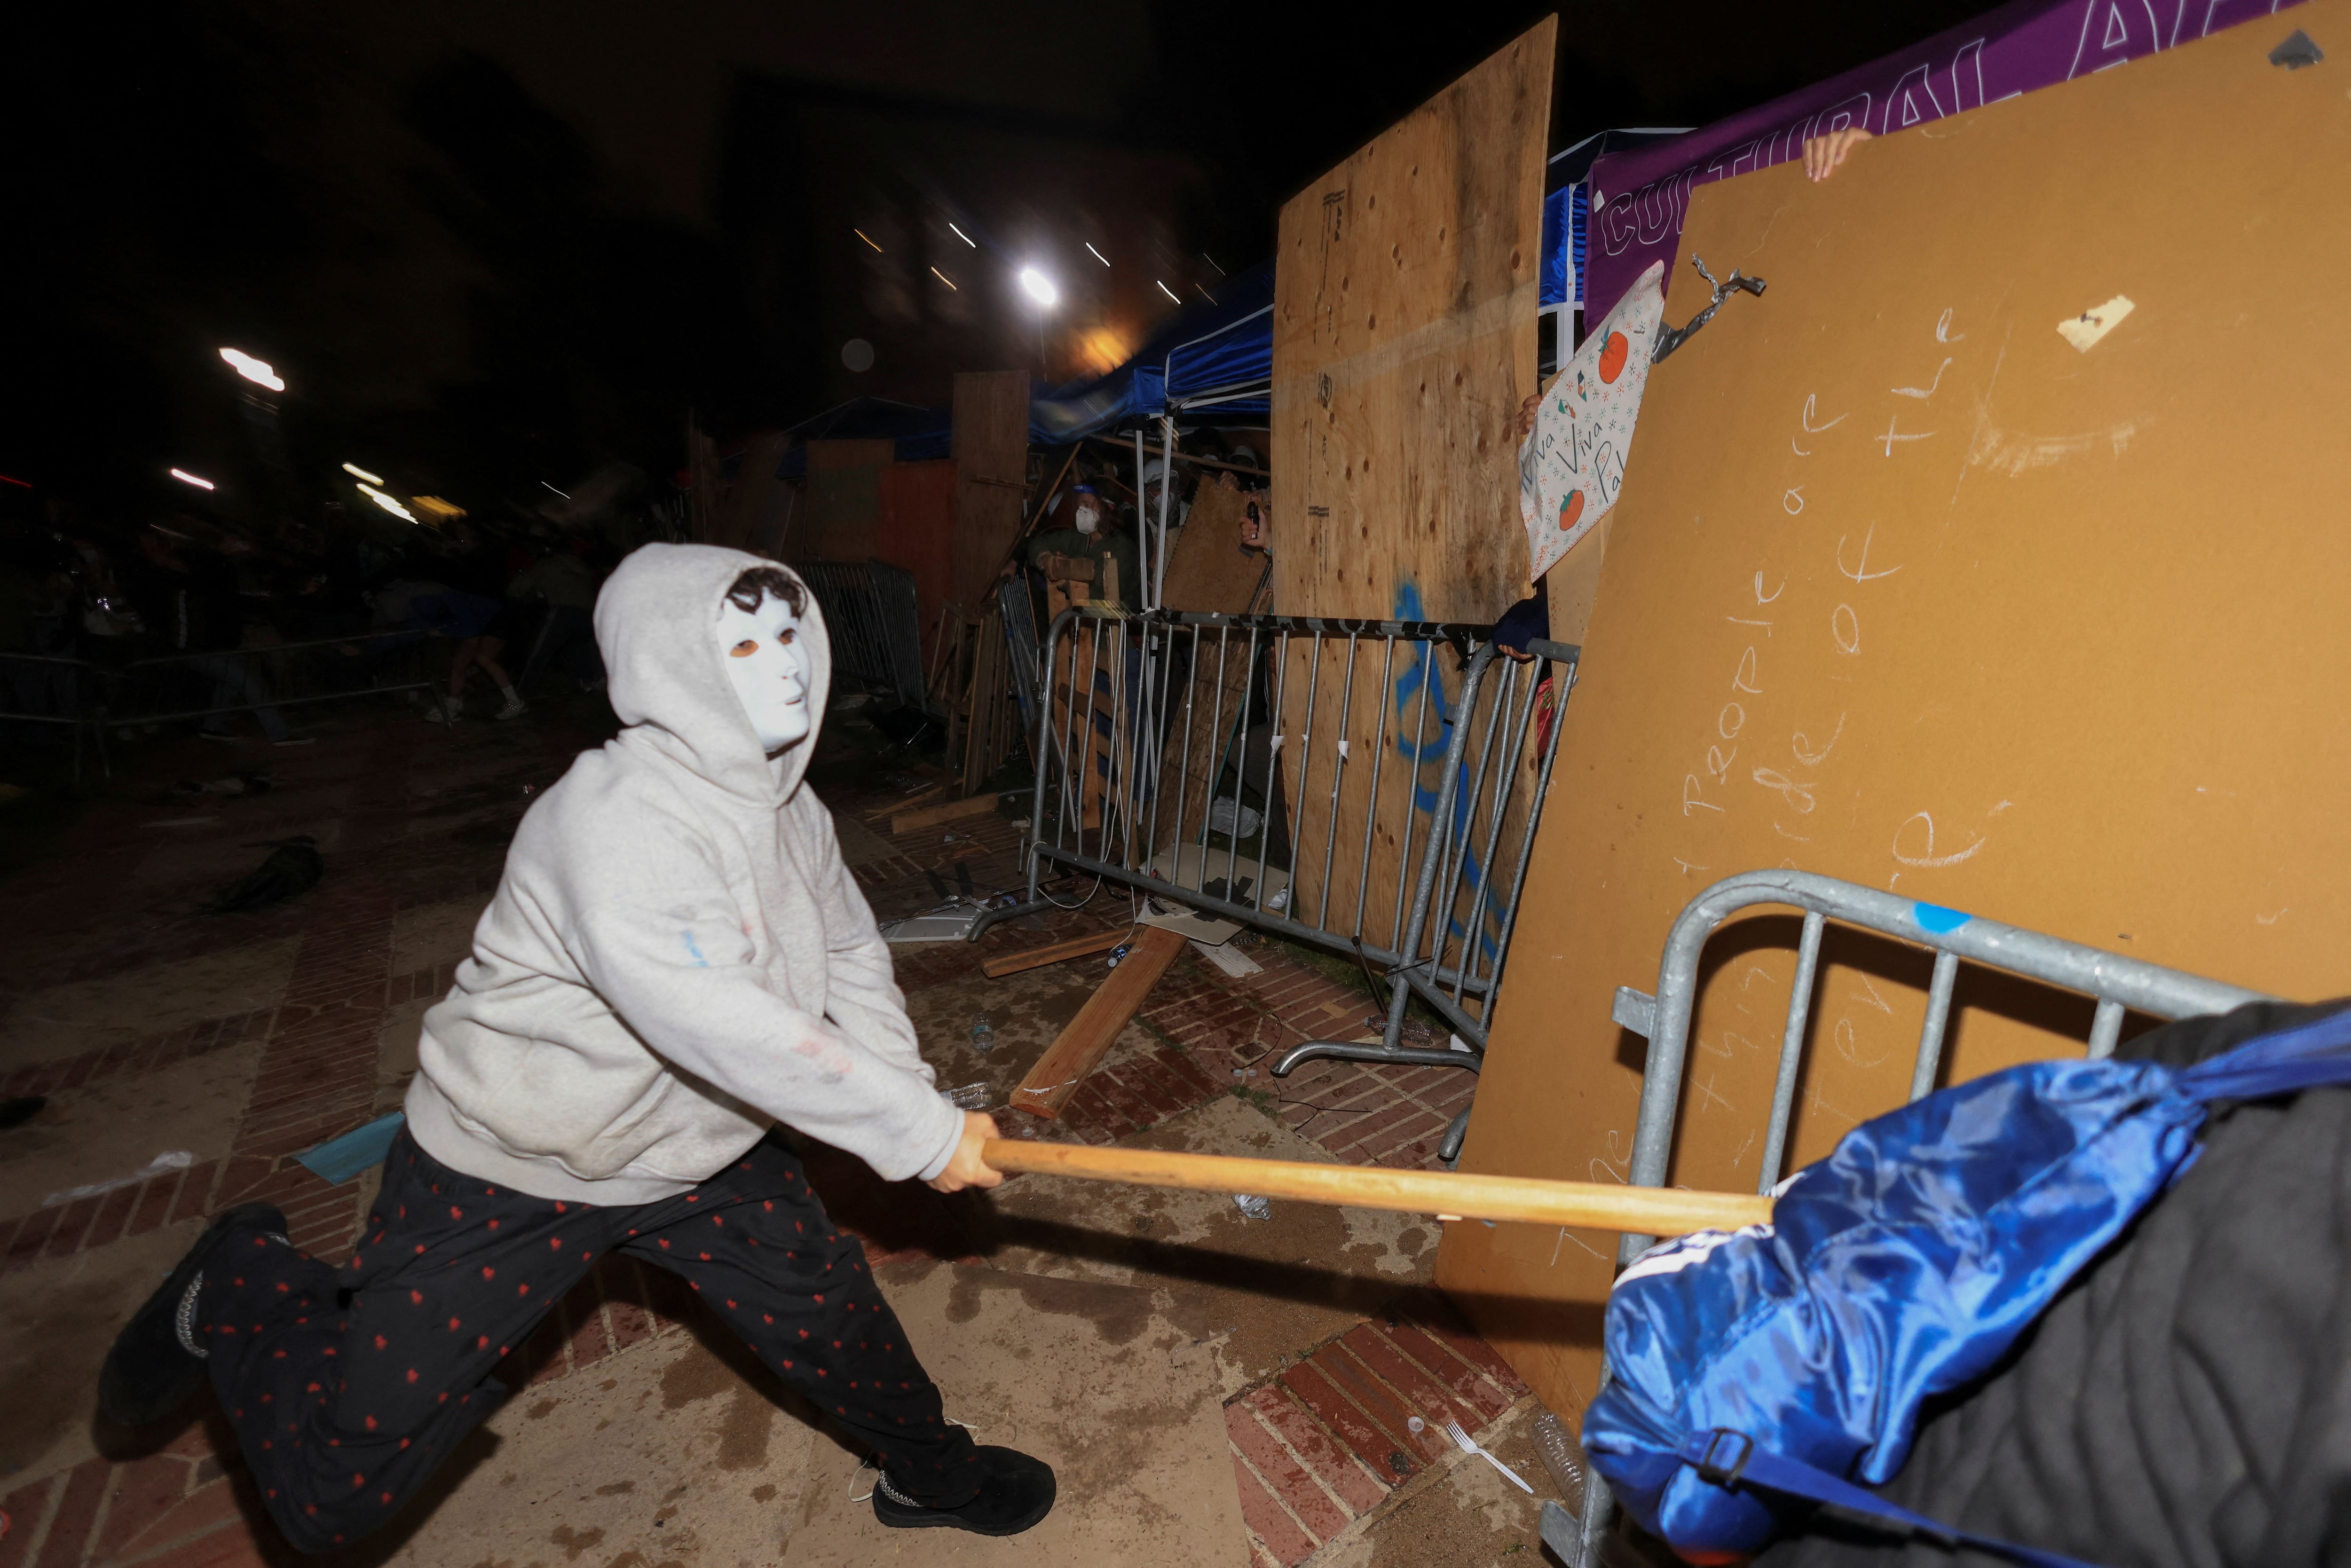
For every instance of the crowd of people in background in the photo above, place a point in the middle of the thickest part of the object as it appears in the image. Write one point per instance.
(192, 621)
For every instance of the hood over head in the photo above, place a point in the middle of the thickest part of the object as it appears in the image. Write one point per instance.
(656, 625)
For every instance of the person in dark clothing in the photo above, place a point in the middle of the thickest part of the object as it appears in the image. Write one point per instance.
(562, 584)
(2186, 1402)
(1529, 617)
(187, 596)
(677, 959)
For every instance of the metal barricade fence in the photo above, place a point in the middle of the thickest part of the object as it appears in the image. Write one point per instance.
(1371, 787)
(97, 698)
(875, 624)
(2117, 985)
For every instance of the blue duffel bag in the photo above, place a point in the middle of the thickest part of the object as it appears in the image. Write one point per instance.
(1757, 1372)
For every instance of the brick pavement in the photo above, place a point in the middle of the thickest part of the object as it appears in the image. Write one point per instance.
(1321, 1445)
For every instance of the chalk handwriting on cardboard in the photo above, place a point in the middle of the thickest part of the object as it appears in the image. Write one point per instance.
(1802, 748)
(1943, 333)
(1846, 627)
(1861, 573)
(1928, 390)
(1927, 856)
(1893, 434)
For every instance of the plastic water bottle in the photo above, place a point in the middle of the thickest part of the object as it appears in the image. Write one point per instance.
(983, 1035)
(1562, 1456)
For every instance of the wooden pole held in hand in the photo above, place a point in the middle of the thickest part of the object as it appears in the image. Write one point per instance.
(1590, 1206)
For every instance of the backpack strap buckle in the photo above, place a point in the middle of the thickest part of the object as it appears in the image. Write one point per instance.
(1710, 1467)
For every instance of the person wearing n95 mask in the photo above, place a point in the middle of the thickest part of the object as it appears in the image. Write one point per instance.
(676, 960)
(1088, 558)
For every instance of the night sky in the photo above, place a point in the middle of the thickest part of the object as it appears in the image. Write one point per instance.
(479, 241)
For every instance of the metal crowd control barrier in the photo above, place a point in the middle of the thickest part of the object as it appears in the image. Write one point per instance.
(875, 624)
(1399, 833)
(96, 697)
(2118, 984)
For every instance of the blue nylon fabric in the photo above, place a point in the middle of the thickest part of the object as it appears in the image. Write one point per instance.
(1563, 222)
(1206, 346)
(1903, 1266)
(1769, 1469)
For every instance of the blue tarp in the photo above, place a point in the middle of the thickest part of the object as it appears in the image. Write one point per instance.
(920, 434)
(1564, 211)
(1215, 354)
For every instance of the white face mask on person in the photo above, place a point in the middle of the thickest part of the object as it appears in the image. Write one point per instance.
(764, 660)
(1088, 519)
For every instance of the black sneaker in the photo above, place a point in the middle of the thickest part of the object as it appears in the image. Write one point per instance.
(149, 1372)
(1017, 1492)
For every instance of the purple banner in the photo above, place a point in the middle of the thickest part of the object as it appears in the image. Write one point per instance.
(1639, 197)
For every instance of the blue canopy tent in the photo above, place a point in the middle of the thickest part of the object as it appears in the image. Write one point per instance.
(919, 433)
(1215, 354)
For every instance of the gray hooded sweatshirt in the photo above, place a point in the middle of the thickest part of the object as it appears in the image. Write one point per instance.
(676, 957)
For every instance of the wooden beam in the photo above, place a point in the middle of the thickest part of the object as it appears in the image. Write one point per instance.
(1082, 1044)
(931, 816)
(1052, 953)
(1457, 1194)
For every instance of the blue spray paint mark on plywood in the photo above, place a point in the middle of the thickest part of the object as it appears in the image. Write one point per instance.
(1419, 674)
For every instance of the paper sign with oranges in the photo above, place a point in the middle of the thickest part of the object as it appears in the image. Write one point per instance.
(1570, 467)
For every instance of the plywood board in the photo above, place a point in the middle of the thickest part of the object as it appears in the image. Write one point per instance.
(844, 500)
(1908, 590)
(991, 454)
(1403, 341)
(915, 528)
(1208, 568)
(1404, 326)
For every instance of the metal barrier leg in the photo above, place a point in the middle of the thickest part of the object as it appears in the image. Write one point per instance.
(1448, 1148)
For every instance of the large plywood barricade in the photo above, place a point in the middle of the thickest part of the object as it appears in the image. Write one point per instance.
(1405, 327)
(1911, 587)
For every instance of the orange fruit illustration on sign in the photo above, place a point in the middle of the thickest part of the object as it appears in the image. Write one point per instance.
(1570, 509)
(1613, 355)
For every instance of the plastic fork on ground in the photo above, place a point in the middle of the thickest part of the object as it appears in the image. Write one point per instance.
(1469, 1445)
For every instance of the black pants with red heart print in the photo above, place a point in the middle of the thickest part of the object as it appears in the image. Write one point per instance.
(348, 1387)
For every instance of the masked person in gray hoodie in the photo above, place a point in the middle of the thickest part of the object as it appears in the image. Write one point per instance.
(675, 960)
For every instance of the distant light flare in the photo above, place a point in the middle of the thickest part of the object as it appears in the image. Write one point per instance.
(1097, 255)
(386, 503)
(861, 234)
(255, 371)
(184, 478)
(1167, 291)
(356, 472)
(1040, 288)
(942, 277)
(963, 237)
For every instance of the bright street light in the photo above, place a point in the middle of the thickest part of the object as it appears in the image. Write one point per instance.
(255, 371)
(386, 503)
(356, 472)
(184, 478)
(1040, 288)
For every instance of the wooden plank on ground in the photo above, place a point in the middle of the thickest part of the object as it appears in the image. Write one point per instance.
(1052, 953)
(1088, 1038)
(931, 816)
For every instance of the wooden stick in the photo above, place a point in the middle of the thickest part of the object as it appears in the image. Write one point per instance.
(931, 816)
(1588, 1206)
(1052, 953)
(1087, 1038)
